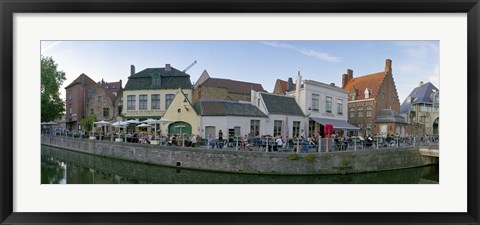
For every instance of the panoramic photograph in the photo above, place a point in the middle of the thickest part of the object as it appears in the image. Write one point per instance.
(240, 112)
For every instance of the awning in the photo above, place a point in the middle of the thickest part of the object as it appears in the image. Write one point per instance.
(337, 124)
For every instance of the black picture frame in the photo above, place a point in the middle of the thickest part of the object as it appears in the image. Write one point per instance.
(10, 7)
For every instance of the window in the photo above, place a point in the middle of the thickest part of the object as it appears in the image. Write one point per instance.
(315, 102)
(369, 111)
(106, 112)
(131, 102)
(90, 93)
(277, 128)
(70, 110)
(360, 111)
(92, 112)
(155, 101)
(156, 78)
(328, 107)
(423, 119)
(425, 108)
(352, 112)
(70, 95)
(339, 106)
(142, 100)
(296, 128)
(168, 100)
(156, 81)
(255, 127)
(99, 98)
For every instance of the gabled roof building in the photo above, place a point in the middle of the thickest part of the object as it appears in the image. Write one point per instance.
(422, 106)
(373, 103)
(85, 97)
(149, 93)
(208, 87)
(282, 87)
(285, 117)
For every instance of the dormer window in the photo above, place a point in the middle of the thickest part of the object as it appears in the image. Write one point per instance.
(367, 92)
(353, 94)
(156, 79)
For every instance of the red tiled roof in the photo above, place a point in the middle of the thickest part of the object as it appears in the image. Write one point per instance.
(82, 79)
(114, 85)
(233, 86)
(283, 85)
(372, 81)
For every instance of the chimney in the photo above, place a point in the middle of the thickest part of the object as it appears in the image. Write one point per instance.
(347, 77)
(388, 66)
(168, 67)
(349, 74)
(290, 84)
(132, 70)
(299, 85)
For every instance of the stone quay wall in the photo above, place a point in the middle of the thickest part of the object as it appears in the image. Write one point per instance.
(248, 162)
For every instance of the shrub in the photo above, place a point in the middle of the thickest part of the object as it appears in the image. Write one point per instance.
(310, 157)
(293, 156)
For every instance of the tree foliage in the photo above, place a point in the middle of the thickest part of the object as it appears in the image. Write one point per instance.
(87, 122)
(52, 105)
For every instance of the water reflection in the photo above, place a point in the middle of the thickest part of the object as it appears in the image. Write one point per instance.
(66, 167)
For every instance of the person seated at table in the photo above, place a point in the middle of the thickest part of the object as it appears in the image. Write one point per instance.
(279, 143)
(244, 143)
(310, 144)
(211, 142)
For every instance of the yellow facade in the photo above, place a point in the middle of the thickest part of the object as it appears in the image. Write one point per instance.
(148, 112)
(181, 110)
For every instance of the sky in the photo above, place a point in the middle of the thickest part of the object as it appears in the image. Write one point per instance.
(252, 61)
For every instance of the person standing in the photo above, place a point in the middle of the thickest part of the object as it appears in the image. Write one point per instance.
(194, 140)
(220, 139)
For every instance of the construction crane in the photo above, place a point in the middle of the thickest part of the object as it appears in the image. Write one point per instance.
(191, 65)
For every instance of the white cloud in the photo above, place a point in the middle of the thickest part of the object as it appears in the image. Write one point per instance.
(308, 52)
(49, 46)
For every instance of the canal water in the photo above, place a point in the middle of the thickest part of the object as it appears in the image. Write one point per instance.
(61, 166)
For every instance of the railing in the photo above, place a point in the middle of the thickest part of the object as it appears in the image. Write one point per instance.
(293, 145)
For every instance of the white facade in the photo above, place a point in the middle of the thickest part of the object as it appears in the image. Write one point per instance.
(319, 109)
(239, 124)
(287, 120)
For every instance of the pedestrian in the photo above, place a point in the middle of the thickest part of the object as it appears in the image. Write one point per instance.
(194, 141)
(220, 139)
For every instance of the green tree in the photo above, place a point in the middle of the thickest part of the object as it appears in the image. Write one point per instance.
(87, 122)
(52, 105)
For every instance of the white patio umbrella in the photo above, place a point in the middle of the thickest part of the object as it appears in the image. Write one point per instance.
(119, 124)
(165, 121)
(152, 121)
(133, 122)
(102, 124)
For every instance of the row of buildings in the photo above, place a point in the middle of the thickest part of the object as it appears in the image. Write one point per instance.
(366, 104)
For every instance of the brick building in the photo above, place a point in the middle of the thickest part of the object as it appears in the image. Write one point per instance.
(282, 87)
(85, 97)
(76, 101)
(373, 103)
(105, 100)
(207, 87)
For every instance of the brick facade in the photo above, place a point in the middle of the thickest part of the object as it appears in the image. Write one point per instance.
(377, 91)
